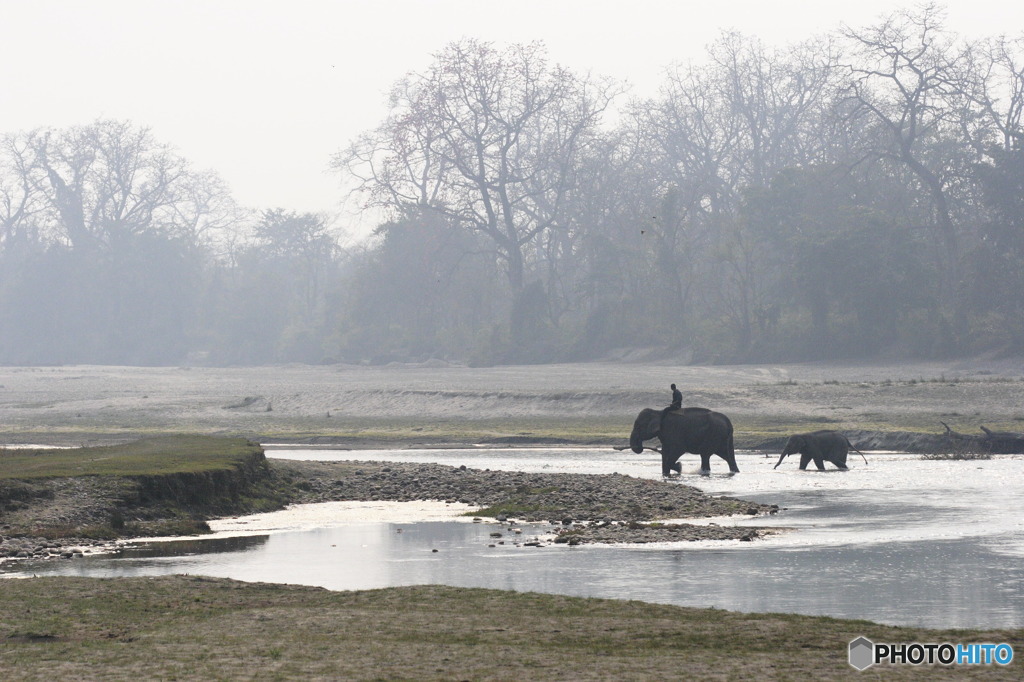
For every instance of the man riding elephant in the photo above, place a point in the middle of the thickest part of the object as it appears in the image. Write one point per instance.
(690, 429)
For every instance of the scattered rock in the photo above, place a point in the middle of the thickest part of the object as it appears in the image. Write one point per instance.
(586, 508)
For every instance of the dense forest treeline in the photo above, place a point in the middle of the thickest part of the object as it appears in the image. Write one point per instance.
(859, 194)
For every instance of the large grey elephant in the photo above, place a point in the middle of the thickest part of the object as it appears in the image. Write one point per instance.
(819, 447)
(690, 429)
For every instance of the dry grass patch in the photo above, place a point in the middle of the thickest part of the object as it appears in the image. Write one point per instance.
(190, 628)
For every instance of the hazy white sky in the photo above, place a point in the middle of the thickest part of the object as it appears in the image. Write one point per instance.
(264, 91)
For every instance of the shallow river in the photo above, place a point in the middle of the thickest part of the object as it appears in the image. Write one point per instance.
(901, 540)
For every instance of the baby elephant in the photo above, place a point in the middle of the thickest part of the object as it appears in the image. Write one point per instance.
(820, 446)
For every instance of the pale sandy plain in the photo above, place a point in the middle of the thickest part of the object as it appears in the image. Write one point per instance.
(75, 405)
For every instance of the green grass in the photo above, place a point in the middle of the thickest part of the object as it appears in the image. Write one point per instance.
(193, 628)
(534, 430)
(148, 457)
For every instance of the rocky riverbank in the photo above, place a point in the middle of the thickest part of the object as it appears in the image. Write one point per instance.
(46, 519)
(73, 517)
(582, 508)
(40, 548)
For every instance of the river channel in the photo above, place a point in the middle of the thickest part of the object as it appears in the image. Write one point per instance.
(899, 540)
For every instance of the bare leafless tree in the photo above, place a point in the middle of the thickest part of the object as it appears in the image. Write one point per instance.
(777, 97)
(109, 180)
(993, 85)
(21, 201)
(904, 82)
(487, 137)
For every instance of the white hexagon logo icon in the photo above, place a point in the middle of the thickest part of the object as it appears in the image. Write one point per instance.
(862, 653)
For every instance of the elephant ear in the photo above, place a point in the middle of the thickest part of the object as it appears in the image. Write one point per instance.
(793, 444)
(652, 426)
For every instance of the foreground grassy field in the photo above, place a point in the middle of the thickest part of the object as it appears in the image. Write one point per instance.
(191, 628)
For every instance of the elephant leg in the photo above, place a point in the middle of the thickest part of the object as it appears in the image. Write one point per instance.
(677, 467)
(731, 459)
(705, 462)
(820, 463)
(670, 463)
(804, 461)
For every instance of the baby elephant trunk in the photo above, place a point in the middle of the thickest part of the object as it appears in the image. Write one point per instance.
(785, 451)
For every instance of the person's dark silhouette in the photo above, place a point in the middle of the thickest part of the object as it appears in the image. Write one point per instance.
(677, 402)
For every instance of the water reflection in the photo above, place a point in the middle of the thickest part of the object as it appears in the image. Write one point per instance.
(903, 541)
(950, 583)
(182, 548)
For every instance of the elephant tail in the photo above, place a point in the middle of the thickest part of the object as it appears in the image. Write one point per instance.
(858, 451)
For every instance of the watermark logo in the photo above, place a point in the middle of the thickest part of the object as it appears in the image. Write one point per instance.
(864, 653)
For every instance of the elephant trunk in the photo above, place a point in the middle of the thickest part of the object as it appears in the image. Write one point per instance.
(781, 457)
(646, 426)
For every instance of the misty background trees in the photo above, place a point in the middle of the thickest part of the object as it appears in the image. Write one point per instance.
(859, 194)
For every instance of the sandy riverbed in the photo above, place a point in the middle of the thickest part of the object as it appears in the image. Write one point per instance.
(86, 404)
